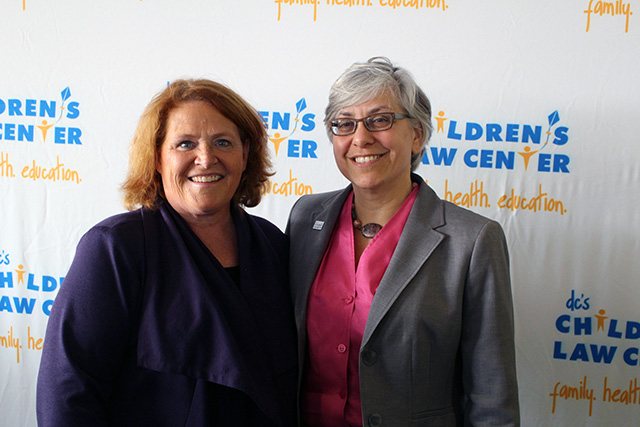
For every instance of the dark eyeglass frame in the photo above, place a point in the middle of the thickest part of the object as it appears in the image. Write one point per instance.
(366, 120)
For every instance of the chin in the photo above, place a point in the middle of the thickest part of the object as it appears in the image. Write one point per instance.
(365, 184)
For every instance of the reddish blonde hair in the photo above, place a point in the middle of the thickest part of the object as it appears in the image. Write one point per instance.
(143, 185)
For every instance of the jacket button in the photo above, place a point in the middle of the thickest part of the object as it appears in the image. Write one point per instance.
(369, 357)
(342, 348)
(375, 420)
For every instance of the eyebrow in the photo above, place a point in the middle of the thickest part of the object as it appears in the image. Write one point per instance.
(220, 134)
(383, 108)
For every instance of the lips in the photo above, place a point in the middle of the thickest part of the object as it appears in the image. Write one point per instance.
(366, 159)
(207, 178)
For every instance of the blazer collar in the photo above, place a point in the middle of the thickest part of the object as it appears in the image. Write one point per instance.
(417, 242)
(323, 221)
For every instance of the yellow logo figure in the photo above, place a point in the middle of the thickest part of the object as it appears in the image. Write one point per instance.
(527, 156)
(44, 128)
(440, 119)
(20, 272)
(601, 318)
(277, 138)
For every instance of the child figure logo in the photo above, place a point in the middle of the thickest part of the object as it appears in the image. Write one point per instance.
(45, 125)
(277, 138)
(595, 338)
(284, 127)
(30, 119)
(500, 139)
(527, 153)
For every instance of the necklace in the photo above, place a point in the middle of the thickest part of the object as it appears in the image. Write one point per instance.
(368, 230)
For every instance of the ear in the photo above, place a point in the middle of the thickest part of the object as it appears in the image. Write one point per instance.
(416, 145)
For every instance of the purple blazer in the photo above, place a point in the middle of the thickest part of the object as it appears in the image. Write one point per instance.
(149, 329)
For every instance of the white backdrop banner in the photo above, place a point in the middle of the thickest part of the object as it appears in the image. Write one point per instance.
(536, 124)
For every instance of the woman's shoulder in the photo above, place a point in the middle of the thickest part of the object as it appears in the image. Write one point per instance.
(470, 225)
(123, 219)
(313, 201)
(463, 215)
(453, 218)
(267, 227)
(117, 229)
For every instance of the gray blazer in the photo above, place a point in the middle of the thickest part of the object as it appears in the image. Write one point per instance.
(438, 346)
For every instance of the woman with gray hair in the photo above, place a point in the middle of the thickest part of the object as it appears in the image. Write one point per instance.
(403, 301)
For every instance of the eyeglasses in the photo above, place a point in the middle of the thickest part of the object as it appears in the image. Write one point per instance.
(374, 123)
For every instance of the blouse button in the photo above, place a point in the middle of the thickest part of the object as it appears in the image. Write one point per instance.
(348, 300)
(342, 348)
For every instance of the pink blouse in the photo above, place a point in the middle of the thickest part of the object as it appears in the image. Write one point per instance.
(338, 306)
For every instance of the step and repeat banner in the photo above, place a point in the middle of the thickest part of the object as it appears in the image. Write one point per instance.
(536, 122)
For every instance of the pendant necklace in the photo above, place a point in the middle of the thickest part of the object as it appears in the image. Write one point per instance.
(368, 230)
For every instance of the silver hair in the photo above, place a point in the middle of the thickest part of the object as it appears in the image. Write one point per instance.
(364, 81)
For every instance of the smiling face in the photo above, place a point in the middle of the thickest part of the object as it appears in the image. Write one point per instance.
(201, 160)
(377, 161)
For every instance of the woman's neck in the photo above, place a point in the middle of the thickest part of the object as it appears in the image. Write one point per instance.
(219, 236)
(372, 206)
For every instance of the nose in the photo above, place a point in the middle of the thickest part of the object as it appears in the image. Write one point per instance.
(206, 156)
(362, 136)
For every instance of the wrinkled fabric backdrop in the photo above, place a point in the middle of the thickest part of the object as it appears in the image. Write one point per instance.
(536, 123)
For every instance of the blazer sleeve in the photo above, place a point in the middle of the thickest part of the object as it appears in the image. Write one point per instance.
(487, 342)
(89, 329)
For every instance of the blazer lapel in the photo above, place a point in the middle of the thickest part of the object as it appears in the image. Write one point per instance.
(318, 228)
(417, 242)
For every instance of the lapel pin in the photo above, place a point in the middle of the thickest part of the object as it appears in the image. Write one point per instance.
(318, 225)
